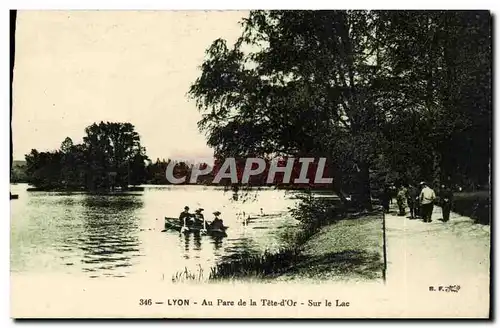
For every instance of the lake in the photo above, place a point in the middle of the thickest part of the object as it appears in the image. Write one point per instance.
(120, 236)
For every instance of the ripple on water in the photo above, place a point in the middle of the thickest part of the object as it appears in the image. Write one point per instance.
(115, 236)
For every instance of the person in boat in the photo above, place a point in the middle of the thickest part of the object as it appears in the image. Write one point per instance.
(198, 217)
(185, 216)
(217, 223)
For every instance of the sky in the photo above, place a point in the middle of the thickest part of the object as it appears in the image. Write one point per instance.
(74, 68)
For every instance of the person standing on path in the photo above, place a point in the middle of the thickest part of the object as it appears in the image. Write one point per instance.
(393, 191)
(427, 198)
(446, 197)
(413, 193)
(401, 200)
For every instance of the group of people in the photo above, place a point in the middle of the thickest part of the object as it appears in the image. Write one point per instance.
(187, 219)
(420, 200)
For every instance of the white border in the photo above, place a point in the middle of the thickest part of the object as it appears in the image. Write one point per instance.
(177, 5)
(244, 5)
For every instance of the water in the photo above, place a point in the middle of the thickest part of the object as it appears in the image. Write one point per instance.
(120, 236)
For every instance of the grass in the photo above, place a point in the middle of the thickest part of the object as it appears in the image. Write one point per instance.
(475, 205)
(351, 248)
(266, 266)
(186, 275)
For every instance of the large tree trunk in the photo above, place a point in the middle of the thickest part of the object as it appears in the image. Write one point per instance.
(336, 184)
(362, 198)
(436, 169)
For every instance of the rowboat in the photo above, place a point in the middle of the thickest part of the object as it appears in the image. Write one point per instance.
(174, 224)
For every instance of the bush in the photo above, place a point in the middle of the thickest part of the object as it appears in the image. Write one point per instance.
(315, 213)
(476, 205)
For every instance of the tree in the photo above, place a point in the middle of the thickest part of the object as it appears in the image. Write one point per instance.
(110, 156)
(66, 145)
(366, 89)
(442, 64)
(44, 169)
(114, 148)
(309, 89)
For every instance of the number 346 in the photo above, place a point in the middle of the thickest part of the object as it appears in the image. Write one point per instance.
(145, 301)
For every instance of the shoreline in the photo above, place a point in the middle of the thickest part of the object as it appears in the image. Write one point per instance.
(348, 250)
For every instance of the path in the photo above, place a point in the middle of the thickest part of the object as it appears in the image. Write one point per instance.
(432, 254)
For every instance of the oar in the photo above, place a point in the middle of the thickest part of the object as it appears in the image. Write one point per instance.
(204, 230)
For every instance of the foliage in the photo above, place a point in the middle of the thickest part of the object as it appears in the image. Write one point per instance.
(156, 172)
(476, 205)
(18, 172)
(314, 213)
(111, 156)
(367, 89)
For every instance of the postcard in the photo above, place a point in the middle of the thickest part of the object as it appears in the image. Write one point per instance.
(250, 164)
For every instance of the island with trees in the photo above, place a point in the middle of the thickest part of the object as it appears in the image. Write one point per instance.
(110, 158)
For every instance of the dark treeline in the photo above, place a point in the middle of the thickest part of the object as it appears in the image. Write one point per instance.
(110, 157)
(384, 95)
(156, 173)
(106, 161)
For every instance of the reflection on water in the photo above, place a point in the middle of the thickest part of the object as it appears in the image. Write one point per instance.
(193, 244)
(109, 241)
(121, 235)
(217, 241)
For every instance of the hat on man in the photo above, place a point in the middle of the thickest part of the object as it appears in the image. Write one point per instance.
(423, 183)
(199, 210)
(216, 213)
(186, 207)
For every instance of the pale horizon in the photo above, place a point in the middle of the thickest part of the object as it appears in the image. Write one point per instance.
(74, 68)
